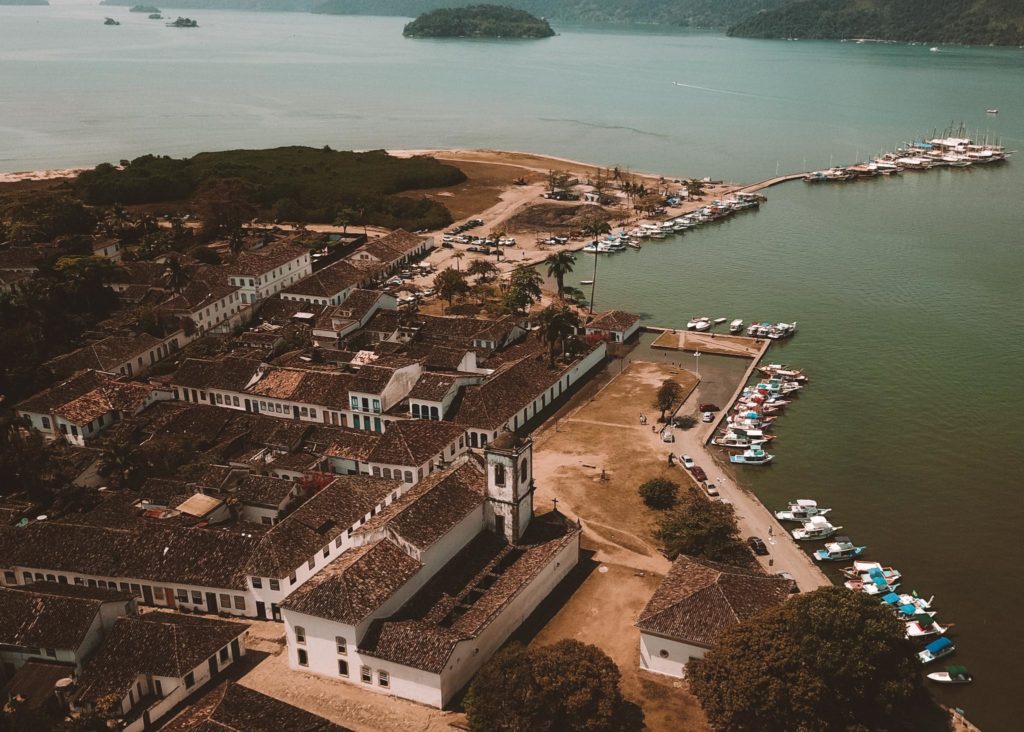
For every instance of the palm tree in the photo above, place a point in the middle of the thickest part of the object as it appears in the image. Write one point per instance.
(175, 275)
(559, 265)
(482, 269)
(595, 229)
(457, 256)
(557, 324)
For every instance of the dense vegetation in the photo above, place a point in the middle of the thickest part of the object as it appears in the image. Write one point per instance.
(478, 21)
(999, 22)
(296, 183)
(828, 660)
(565, 687)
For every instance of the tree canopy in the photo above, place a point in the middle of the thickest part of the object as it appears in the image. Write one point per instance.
(315, 185)
(826, 660)
(565, 687)
(701, 528)
(659, 493)
(450, 283)
(523, 289)
(668, 394)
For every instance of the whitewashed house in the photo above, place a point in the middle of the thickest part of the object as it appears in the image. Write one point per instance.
(695, 602)
(617, 326)
(151, 663)
(435, 583)
(59, 623)
(262, 273)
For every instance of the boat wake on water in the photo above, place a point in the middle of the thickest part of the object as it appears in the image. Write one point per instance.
(722, 91)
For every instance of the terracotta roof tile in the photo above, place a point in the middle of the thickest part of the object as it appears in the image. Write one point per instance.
(51, 615)
(230, 707)
(414, 442)
(698, 599)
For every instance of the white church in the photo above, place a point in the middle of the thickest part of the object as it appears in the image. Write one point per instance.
(435, 582)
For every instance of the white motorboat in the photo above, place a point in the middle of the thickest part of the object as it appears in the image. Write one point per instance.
(939, 648)
(923, 625)
(815, 528)
(752, 456)
(719, 321)
(952, 675)
(801, 510)
(698, 323)
(736, 326)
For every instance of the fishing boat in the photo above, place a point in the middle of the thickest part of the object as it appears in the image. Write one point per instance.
(939, 648)
(586, 282)
(923, 625)
(908, 604)
(991, 111)
(801, 510)
(110, 21)
(632, 245)
(736, 326)
(815, 529)
(733, 441)
(838, 551)
(753, 456)
(781, 371)
(872, 583)
(952, 675)
(859, 567)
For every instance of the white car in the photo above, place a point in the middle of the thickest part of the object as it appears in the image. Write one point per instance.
(708, 417)
(687, 461)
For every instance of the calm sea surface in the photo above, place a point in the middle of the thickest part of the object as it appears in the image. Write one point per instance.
(907, 291)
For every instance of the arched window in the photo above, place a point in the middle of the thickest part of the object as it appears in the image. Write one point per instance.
(522, 470)
(499, 474)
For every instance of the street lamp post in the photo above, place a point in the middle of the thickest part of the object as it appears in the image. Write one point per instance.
(696, 362)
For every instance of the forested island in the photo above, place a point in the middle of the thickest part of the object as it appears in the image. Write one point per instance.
(478, 21)
(148, 9)
(24, 2)
(999, 22)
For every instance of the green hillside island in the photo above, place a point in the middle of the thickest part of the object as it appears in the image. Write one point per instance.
(997, 22)
(308, 184)
(478, 21)
(148, 9)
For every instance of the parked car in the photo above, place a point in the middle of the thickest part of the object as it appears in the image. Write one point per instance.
(447, 245)
(687, 461)
(757, 546)
(707, 417)
(698, 473)
(709, 408)
(710, 489)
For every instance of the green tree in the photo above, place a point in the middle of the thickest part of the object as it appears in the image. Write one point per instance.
(482, 269)
(565, 687)
(560, 264)
(176, 277)
(344, 217)
(45, 217)
(557, 325)
(523, 289)
(205, 255)
(826, 660)
(659, 493)
(449, 284)
(225, 205)
(701, 528)
(668, 394)
(694, 188)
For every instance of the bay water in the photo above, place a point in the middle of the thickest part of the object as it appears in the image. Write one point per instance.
(907, 290)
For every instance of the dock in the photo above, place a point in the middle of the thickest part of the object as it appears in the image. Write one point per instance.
(716, 343)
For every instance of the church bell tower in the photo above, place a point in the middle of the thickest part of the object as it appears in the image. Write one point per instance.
(509, 461)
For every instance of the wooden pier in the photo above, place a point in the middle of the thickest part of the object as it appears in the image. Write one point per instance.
(716, 343)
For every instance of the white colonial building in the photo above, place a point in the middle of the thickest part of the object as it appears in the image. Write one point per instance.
(435, 583)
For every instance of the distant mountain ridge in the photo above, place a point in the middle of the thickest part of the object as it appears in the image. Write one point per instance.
(999, 22)
(683, 13)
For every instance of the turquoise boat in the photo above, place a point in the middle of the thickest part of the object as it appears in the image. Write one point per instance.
(753, 456)
(838, 551)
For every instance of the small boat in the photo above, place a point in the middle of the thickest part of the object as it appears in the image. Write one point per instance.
(908, 604)
(838, 551)
(753, 456)
(858, 568)
(815, 529)
(110, 21)
(939, 648)
(801, 510)
(873, 583)
(586, 282)
(702, 325)
(934, 49)
(736, 326)
(732, 441)
(952, 675)
(781, 371)
(719, 321)
(923, 625)
(632, 245)
(988, 111)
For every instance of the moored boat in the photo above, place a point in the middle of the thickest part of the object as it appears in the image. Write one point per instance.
(736, 326)
(860, 567)
(815, 529)
(752, 456)
(952, 675)
(923, 625)
(939, 648)
(801, 510)
(838, 551)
